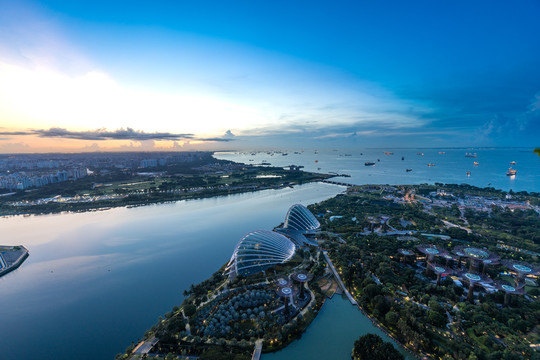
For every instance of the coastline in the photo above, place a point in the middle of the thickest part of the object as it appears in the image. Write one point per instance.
(161, 198)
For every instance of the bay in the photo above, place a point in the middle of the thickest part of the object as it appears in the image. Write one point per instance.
(95, 281)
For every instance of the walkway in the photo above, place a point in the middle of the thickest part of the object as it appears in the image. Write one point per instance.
(258, 350)
(449, 224)
(338, 278)
(145, 346)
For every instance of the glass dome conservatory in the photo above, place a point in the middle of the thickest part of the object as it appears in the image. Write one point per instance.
(259, 250)
(299, 218)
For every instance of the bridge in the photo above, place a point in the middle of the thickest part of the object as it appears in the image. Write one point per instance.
(258, 350)
(337, 183)
(338, 278)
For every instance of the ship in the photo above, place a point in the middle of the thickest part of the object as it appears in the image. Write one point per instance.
(403, 158)
(421, 154)
(442, 152)
(511, 172)
(468, 173)
(408, 170)
(475, 163)
(512, 163)
(388, 153)
(430, 164)
(369, 163)
(471, 155)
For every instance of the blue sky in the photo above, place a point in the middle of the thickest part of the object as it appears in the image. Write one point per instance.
(269, 74)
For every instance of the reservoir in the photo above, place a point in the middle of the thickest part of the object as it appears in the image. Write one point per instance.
(96, 281)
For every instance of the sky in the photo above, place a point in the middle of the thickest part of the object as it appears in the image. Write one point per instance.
(241, 75)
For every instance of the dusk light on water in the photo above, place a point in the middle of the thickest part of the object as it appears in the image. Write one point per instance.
(269, 180)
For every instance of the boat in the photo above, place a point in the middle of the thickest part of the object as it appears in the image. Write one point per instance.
(403, 158)
(408, 170)
(284, 154)
(388, 153)
(378, 159)
(442, 152)
(369, 163)
(471, 155)
(468, 173)
(511, 172)
(421, 154)
(512, 163)
(316, 161)
(430, 164)
(475, 163)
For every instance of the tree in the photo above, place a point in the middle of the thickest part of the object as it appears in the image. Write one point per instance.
(372, 347)
(189, 310)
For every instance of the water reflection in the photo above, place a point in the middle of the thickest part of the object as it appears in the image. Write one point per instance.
(96, 281)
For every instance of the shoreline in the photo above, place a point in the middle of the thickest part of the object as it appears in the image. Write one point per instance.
(128, 202)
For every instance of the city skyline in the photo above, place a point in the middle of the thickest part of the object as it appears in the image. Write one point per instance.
(213, 76)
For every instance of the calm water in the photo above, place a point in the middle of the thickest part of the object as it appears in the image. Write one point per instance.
(332, 334)
(96, 281)
(450, 167)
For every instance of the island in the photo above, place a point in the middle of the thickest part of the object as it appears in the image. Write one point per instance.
(11, 257)
(446, 271)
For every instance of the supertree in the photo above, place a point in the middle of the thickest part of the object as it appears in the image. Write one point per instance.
(509, 290)
(405, 253)
(440, 270)
(302, 277)
(477, 257)
(473, 279)
(521, 268)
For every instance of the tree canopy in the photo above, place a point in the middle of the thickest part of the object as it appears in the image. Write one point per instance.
(372, 347)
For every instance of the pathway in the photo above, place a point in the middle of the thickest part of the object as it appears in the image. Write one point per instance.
(258, 350)
(338, 278)
(145, 346)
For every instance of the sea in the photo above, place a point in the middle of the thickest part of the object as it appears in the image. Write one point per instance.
(447, 166)
(96, 281)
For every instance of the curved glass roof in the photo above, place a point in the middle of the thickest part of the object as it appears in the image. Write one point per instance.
(301, 219)
(259, 250)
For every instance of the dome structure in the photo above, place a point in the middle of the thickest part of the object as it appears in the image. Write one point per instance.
(259, 250)
(299, 218)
